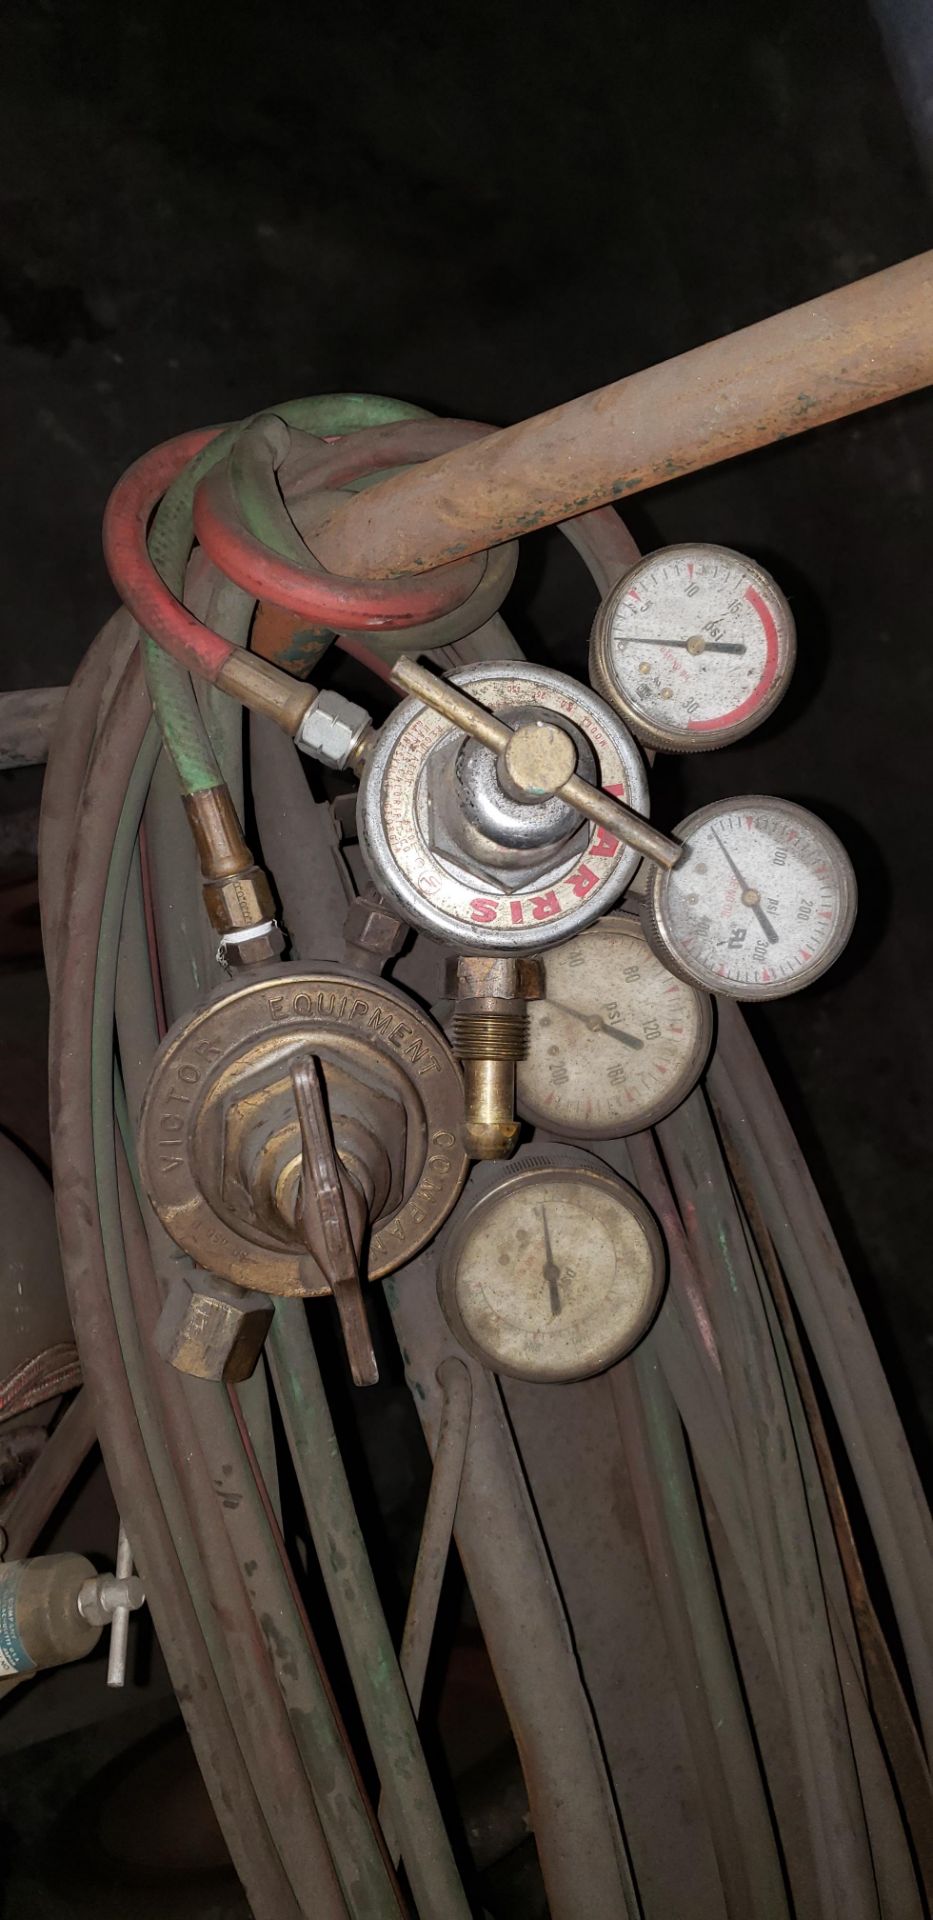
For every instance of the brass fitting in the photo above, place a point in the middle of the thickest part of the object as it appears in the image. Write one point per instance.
(266, 689)
(238, 901)
(213, 1329)
(237, 896)
(489, 1031)
(372, 932)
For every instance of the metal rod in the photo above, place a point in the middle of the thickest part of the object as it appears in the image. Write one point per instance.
(480, 724)
(437, 1532)
(120, 1626)
(832, 356)
(434, 1546)
(348, 1577)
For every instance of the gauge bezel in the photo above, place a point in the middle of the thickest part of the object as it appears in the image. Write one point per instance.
(662, 939)
(628, 926)
(426, 905)
(678, 739)
(536, 1170)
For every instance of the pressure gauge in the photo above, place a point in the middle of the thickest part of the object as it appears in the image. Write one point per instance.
(694, 647)
(760, 903)
(553, 1269)
(616, 1042)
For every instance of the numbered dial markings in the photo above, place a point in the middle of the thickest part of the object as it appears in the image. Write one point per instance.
(617, 1041)
(694, 647)
(761, 902)
(425, 881)
(555, 1273)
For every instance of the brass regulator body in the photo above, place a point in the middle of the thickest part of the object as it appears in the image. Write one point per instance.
(225, 1156)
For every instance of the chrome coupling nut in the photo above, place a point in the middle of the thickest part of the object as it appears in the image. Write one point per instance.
(332, 730)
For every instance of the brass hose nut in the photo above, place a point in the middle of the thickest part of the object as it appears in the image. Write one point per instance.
(241, 909)
(237, 901)
(213, 1329)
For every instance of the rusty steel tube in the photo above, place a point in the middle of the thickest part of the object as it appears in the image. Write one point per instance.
(836, 355)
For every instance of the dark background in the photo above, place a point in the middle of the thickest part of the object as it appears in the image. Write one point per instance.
(488, 210)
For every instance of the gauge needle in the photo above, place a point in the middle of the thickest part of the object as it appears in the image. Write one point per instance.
(596, 1025)
(551, 1269)
(750, 895)
(696, 644)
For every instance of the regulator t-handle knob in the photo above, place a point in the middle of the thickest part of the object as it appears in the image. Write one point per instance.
(324, 1217)
(534, 763)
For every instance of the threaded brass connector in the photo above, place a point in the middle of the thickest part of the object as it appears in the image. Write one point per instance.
(489, 1032)
(237, 896)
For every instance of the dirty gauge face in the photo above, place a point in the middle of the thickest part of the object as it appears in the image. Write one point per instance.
(761, 902)
(694, 647)
(554, 1273)
(617, 1041)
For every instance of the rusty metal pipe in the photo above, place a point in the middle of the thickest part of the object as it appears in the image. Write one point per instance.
(836, 355)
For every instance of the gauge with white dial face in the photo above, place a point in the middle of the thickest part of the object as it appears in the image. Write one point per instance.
(760, 903)
(694, 647)
(617, 1040)
(555, 1271)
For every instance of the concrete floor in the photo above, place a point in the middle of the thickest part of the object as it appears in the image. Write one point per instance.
(487, 211)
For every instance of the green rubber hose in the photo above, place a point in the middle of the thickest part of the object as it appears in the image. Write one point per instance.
(179, 717)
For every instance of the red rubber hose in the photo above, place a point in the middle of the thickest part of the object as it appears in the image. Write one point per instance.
(126, 525)
(328, 599)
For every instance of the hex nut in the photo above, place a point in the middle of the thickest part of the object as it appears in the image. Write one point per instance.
(257, 949)
(500, 976)
(212, 1329)
(332, 729)
(374, 927)
(238, 901)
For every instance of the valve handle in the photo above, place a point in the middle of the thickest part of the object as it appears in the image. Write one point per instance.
(324, 1219)
(533, 761)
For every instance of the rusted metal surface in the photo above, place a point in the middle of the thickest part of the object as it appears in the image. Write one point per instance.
(833, 356)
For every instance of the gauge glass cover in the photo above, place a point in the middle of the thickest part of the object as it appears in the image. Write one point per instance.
(761, 903)
(554, 1274)
(617, 1041)
(694, 647)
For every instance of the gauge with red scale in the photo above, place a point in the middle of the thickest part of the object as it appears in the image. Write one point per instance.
(694, 647)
